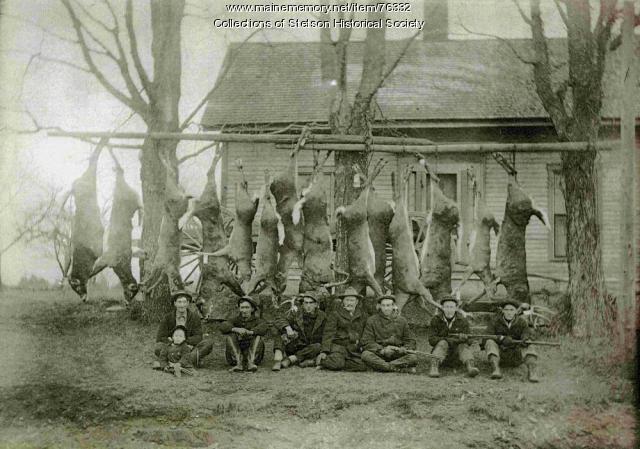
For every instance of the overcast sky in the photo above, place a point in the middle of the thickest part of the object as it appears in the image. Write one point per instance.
(61, 96)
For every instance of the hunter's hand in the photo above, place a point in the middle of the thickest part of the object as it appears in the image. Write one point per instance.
(507, 341)
(463, 338)
(387, 351)
(320, 358)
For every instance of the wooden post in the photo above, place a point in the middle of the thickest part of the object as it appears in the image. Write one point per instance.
(626, 307)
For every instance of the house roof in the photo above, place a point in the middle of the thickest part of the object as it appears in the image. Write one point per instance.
(434, 81)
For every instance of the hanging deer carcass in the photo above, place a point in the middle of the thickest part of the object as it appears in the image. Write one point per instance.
(479, 245)
(317, 246)
(118, 252)
(360, 251)
(405, 266)
(270, 237)
(240, 247)
(435, 254)
(512, 254)
(87, 231)
(285, 192)
(167, 259)
(215, 270)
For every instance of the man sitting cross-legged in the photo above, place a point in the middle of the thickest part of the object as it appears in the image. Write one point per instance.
(244, 337)
(198, 346)
(445, 346)
(503, 350)
(299, 336)
(341, 348)
(386, 339)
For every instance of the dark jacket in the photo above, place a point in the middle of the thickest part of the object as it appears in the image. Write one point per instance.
(343, 329)
(193, 325)
(381, 331)
(253, 323)
(439, 328)
(297, 324)
(178, 353)
(519, 329)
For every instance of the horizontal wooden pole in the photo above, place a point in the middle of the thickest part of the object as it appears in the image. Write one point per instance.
(255, 138)
(472, 147)
(335, 142)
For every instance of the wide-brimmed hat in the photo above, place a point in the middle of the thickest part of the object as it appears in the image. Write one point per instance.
(301, 297)
(508, 301)
(447, 298)
(255, 304)
(391, 297)
(350, 293)
(179, 293)
(180, 327)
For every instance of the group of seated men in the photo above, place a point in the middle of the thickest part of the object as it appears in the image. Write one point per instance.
(344, 339)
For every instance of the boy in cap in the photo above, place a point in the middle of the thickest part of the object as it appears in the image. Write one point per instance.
(300, 335)
(502, 350)
(450, 321)
(341, 348)
(175, 357)
(386, 339)
(244, 337)
(187, 318)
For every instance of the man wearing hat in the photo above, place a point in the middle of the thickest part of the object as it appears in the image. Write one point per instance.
(386, 339)
(244, 337)
(187, 318)
(507, 326)
(341, 348)
(300, 335)
(450, 321)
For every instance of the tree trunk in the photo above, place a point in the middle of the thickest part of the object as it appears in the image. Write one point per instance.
(166, 20)
(591, 312)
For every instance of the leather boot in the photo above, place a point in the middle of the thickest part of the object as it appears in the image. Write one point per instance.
(433, 371)
(532, 368)
(495, 362)
(177, 370)
(251, 356)
(472, 371)
(237, 354)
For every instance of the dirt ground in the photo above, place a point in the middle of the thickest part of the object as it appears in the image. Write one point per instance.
(76, 376)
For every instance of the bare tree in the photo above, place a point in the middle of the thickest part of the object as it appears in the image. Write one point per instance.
(574, 105)
(356, 118)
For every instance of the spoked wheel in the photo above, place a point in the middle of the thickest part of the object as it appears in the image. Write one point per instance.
(191, 258)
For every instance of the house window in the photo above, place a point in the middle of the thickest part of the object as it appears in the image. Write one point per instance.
(420, 190)
(558, 215)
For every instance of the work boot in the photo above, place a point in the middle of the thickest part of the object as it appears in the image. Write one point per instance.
(251, 355)
(177, 370)
(472, 371)
(433, 371)
(532, 369)
(156, 365)
(286, 363)
(495, 362)
(237, 354)
(277, 360)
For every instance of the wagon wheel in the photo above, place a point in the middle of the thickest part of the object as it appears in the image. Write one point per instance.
(191, 259)
(228, 219)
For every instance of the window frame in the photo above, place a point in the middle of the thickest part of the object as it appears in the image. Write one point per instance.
(553, 170)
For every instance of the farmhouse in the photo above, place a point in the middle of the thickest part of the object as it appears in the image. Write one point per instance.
(448, 91)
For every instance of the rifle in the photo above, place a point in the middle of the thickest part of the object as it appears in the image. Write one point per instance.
(516, 342)
(426, 355)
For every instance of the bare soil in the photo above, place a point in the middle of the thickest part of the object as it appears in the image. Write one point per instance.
(77, 376)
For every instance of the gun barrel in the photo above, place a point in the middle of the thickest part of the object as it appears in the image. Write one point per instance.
(529, 342)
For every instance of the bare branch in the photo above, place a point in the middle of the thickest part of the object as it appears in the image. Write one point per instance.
(31, 223)
(135, 55)
(221, 77)
(41, 28)
(395, 63)
(196, 153)
(91, 17)
(507, 42)
(128, 101)
(522, 13)
(562, 13)
(61, 62)
(542, 73)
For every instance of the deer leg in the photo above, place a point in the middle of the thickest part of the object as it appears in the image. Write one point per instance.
(464, 280)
